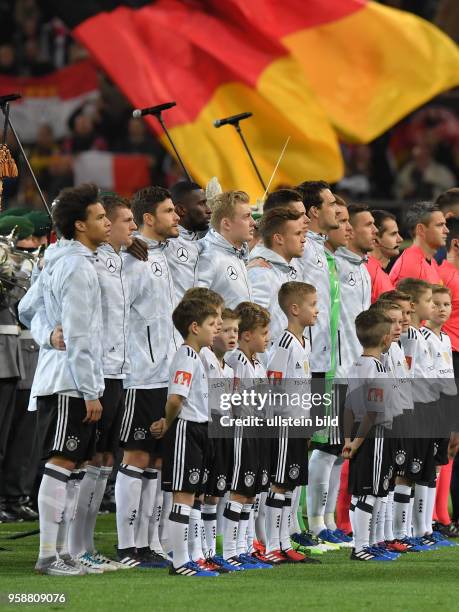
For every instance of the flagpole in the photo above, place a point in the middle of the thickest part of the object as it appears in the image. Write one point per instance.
(8, 123)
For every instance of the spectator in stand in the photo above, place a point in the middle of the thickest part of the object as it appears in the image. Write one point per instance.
(84, 136)
(426, 225)
(42, 154)
(8, 65)
(422, 177)
(139, 139)
(387, 246)
(357, 182)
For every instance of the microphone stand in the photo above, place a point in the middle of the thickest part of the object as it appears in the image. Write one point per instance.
(241, 135)
(6, 112)
(160, 119)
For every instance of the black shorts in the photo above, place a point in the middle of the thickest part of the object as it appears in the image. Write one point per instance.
(251, 464)
(219, 466)
(185, 448)
(108, 428)
(141, 408)
(289, 461)
(61, 431)
(420, 460)
(441, 451)
(264, 468)
(371, 469)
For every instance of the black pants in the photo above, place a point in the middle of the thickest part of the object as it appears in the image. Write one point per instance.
(22, 455)
(8, 388)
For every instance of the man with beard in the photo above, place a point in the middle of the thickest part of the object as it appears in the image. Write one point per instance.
(387, 246)
(183, 252)
(151, 345)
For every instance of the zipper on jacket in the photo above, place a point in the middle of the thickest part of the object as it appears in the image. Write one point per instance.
(124, 315)
(339, 347)
(149, 344)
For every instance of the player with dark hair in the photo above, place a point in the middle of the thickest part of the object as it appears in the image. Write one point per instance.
(183, 252)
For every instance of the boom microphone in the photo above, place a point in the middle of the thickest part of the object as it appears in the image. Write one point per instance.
(9, 98)
(233, 120)
(152, 110)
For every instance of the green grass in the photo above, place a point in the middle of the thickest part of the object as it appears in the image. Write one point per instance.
(423, 581)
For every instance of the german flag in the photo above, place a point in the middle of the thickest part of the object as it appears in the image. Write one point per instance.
(308, 69)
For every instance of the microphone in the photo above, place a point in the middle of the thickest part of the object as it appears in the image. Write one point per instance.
(233, 120)
(152, 110)
(9, 98)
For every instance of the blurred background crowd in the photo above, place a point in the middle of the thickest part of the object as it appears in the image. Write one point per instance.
(415, 160)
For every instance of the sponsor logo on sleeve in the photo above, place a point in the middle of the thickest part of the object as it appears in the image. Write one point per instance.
(182, 378)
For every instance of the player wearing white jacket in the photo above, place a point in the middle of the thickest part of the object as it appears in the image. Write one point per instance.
(222, 263)
(283, 236)
(320, 205)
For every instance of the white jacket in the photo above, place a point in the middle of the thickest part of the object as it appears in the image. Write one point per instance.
(152, 338)
(266, 282)
(315, 272)
(355, 288)
(221, 267)
(67, 293)
(182, 256)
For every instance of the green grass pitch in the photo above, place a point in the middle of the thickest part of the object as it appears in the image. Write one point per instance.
(422, 581)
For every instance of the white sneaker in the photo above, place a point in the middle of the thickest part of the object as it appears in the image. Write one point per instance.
(57, 567)
(84, 560)
(108, 565)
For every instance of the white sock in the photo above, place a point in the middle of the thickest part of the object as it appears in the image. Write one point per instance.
(333, 489)
(220, 510)
(128, 491)
(381, 520)
(155, 520)
(260, 517)
(146, 508)
(77, 531)
(320, 466)
(274, 507)
(94, 507)
(179, 522)
(71, 500)
(164, 522)
(294, 524)
(209, 521)
(243, 529)
(431, 494)
(251, 532)
(352, 505)
(194, 533)
(362, 520)
(285, 543)
(374, 521)
(401, 506)
(419, 510)
(51, 506)
(409, 519)
(231, 518)
(388, 522)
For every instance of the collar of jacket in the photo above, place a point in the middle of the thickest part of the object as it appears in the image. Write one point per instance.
(217, 239)
(260, 251)
(153, 245)
(107, 248)
(351, 256)
(189, 235)
(316, 237)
